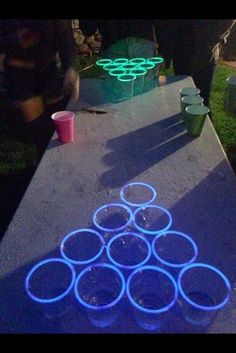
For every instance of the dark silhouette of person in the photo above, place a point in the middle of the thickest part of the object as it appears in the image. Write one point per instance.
(123, 37)
(39, 69)
(194, 47)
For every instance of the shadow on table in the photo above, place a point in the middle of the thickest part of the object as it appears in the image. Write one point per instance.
(205, 213)
(139, 150)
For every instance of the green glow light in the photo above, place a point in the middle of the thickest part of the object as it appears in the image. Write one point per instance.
(121, 61)
(138, 71)
(147, 66)
(129, 66)
(117, 72)
(138, 60)
(109, 67)
(155, 60)
(126, 77)
(103, 62)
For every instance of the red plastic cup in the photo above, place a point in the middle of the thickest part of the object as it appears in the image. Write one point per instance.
(64, 124)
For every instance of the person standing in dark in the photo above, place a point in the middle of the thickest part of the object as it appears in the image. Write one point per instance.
(194, 47)
(39, 69)
(123, 37)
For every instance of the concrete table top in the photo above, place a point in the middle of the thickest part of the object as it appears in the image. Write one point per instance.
(142, 139)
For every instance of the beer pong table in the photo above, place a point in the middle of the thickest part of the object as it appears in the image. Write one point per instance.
(141, 139)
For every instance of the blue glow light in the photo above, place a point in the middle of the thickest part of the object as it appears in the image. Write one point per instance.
(40, 264)
(129, 235)
(79, 232)
(214, 269)
(158, 270)
(90, 268)
(156, 231)
(179, 234)
(130, 185)
(105, 209)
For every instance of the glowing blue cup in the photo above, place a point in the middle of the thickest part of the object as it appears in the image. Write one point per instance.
(174, 249)
(112, 218)
(204, 290)
(152, 219)
(128, 250)
(49, 284)
(99, 289)
(137, 194)
(152, 292)
(82, 246)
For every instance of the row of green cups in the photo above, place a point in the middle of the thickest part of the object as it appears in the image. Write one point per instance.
(193, 110)
(128, 65)
(136, 61)
(132, 70)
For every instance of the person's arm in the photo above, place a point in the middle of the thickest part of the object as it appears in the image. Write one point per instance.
(66, 49)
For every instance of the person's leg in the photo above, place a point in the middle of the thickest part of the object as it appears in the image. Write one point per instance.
(183, 41)
(203, 78)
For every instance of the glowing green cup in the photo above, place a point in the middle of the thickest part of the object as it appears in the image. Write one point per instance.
(148, 78)
(120, 61)
(138, 61)
(126, 85)
(139, 81)
(103, 62)
(157, 61)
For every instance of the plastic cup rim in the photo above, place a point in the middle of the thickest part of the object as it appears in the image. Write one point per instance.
(205, 109)
(148, 186)
(157, 269)
(152, 232)
(201, 99)
(106, 306)
(122, 79)
(111, 72)
(143, 71)
(53, 116)
(156, 60)
(189, 301)
(100, 62)
(170, 264)
(119, 60)
(152, 65)
(112, 229)
(128, 234)
(82, 262)
(135, 60)
(61, 296)
(197, 90)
